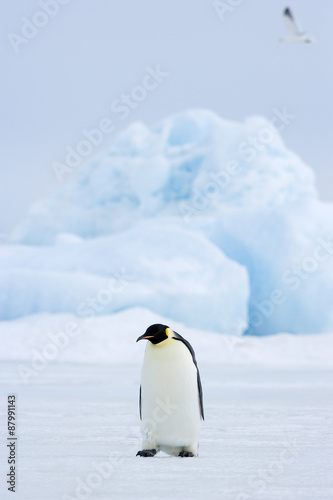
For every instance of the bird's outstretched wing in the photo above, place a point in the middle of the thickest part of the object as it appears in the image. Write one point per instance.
(292, 26)
(190, 348)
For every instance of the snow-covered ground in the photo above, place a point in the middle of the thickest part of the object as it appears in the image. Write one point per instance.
(268, 404)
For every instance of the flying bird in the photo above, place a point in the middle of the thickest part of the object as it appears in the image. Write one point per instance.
(171, 403)
(295, 34)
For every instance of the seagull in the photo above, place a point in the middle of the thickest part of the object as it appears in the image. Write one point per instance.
(295, 34)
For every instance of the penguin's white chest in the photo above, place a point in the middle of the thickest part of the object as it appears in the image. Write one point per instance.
(169, 395)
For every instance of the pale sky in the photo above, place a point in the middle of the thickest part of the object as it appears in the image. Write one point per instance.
(85, 54)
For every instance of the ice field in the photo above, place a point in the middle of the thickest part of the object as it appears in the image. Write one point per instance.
(268, 405)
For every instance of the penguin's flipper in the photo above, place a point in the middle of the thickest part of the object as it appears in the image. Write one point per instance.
(146, 453)
(190, 348)
(200, 395)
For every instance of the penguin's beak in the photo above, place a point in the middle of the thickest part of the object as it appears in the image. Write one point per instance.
(144, 336)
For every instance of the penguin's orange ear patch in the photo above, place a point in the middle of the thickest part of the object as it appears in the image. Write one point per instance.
(167, 332)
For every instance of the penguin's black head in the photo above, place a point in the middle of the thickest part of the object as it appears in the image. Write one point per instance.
(155, 333)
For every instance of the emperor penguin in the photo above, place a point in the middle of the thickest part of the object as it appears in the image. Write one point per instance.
(170, 400)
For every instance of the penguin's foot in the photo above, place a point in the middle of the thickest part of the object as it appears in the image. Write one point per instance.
(186, 454)
(146, 453)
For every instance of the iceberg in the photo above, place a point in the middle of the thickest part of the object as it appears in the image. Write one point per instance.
(188, 165)
(219, 223)
(156, 265)
(288, 253)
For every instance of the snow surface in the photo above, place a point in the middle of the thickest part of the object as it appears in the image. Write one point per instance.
(173, 203)
(110, 339)
(268, 405)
